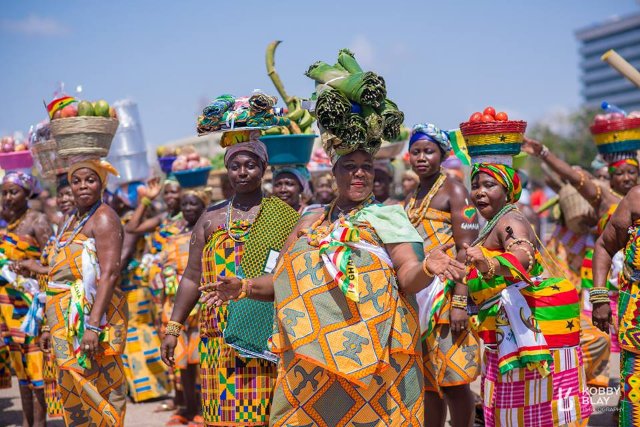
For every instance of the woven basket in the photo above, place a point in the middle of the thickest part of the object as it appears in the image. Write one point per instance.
(84, 135)
(47, 160)
(493, 138)
(617, 135)
(576, 210)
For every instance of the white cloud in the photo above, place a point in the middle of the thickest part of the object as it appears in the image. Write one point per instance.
(34, 25)
(364, 51)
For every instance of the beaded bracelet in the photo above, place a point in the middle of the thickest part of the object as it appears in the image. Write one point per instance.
(173, 328)
(544, 152)
(459, 301)
(92, 328)
(582, 180)
(492, 269)
(146, 201)
(425, 267)
(598, 296)
(531, 259)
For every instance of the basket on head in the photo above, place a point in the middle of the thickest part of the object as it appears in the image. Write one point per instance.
(289, 149)
(46, 159)
(193, 177)
(613, 136)
(493, 138)
(16, 160)
(85, 135)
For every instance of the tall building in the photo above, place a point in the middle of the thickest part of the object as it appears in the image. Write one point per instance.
(600, 82)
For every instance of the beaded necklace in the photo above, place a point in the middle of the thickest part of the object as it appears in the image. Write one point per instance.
(17, 222)
(489, 226)
(76, 230)
(615, 193)
(242, 224)
(315, 231)
(416, 215)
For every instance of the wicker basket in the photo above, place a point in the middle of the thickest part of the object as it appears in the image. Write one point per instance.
(493, 138)
(617, 135)
(84, 135)
(576, 210)
(46, 159)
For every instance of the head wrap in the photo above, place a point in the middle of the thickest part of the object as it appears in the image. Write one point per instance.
(101, 167)
(256, 148)
(301, 173)
(430, 132)
(202, 193)
(615, 165)
(171, 180)
(23, 180)
(505, 175)
(128, 193)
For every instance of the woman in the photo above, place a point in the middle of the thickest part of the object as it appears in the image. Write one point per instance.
(291, 185)
(173, 261)
(236, 390)
(26, 234)
(530, 328)
(441, 212)
(622, 233)
(348, 333)
(31, 267)
(85, 310)
(147, 376)
(382, 180)
(324, 187)
(156, 224)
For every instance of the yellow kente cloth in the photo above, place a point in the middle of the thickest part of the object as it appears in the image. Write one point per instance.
(25, 355)
(344, 362)
(95, 396)
(147, 376)
(175, 257)
(448, 360)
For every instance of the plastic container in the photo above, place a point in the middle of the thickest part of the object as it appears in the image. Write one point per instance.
(16, 160)
(166, 163)
(289, 149)
(132, 167)
(129, 138)
(193, 177)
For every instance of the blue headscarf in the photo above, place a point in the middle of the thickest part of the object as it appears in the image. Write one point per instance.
(430, 132)
(302, 174)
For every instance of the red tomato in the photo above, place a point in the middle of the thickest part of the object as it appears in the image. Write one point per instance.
(488, 118)
(490, 111)
(502, 116)
(476, 117)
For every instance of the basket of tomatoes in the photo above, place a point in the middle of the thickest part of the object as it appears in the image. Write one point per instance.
(491, 133)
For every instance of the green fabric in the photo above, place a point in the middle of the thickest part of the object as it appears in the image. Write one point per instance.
(390, 222)
(250, 322)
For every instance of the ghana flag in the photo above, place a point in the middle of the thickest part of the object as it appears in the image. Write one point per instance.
(58, 104)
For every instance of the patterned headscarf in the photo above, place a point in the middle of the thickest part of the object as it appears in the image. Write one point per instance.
(255, 147)
(302, 175)
(101, 167)
(23, 180)
(505, 175)
(615, 165)
(202, 193)
(430, 132)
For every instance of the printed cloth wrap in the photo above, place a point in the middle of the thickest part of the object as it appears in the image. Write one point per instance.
(524, 316)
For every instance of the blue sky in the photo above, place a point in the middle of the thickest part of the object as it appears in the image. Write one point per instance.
(441, 60)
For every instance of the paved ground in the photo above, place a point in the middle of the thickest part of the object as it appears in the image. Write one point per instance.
(142, 414)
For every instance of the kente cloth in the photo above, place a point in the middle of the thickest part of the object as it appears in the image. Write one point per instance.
(5, 365)
(525, 317)
(629, 403)
(175, 258)
(250, 322)
(629, 302)
(596, 348)
(236, 391)
(448, 360)
(51, 391)
(525, 398)
(93, 396)
(25, 355)
(344, 362)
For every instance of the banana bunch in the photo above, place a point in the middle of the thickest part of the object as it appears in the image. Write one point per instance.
(301, 121)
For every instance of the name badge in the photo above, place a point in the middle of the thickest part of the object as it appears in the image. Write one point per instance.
(272, 259)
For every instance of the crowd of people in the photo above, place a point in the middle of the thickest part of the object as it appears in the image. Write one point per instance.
(333, 299)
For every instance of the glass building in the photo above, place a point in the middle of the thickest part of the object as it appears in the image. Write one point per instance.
(600, 82)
